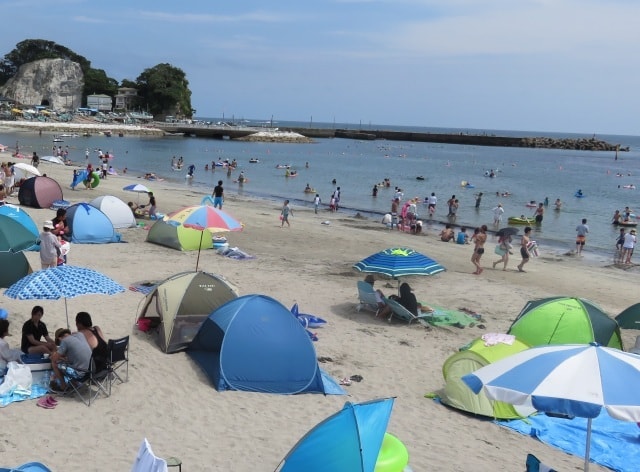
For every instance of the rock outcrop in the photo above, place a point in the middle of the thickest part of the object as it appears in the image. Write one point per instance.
(55, 83)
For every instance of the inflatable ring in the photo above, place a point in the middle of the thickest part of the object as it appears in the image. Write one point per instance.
(95, 180)
(393, 455)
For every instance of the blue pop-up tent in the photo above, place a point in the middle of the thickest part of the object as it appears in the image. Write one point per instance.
(254, 343)
(89, 225)
(349, 440)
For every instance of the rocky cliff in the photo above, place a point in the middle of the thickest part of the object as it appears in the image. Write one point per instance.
(56, 83)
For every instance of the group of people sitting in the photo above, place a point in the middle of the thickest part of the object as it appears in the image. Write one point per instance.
(405, 297)
(448, 234)
(70, 353)
(142, 211)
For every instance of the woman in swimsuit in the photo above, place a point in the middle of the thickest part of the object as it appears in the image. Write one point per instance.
(479, 238)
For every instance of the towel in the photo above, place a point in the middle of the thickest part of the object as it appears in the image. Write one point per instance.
(491, 339)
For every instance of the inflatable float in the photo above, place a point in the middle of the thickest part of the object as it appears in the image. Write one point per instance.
(578, 194)
(520, 220)
(531, 204)
(393, 455)
(466, 184)
(420, 177)
(83, 176)
(627, 224)
(253, 161)
(309, 190)
(244, 181)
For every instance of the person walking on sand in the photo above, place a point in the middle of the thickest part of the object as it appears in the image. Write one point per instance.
(524, 248)
(479, 238)
(284, 214)
(582, 230)
(503, 249)
(629, 244)
(218, 195)
(316, 203)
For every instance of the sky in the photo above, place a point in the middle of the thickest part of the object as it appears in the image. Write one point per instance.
(536, 65)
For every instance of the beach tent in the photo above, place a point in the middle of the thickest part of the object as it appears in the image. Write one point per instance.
(178, 306)
(473, 356)
(116, 210)
(176, 236)
(20, 216)
(39, 192)
(565, 320)
(14, 267)
(88, 225)
(254, 343)
(349, 440)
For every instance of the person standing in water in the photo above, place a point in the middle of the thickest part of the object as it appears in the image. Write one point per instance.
(582, 229)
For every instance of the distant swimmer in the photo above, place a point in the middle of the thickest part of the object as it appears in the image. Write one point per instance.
(558, 204)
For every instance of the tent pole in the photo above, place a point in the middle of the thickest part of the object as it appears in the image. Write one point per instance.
(66, 312)
(588, 447)
(199, 248)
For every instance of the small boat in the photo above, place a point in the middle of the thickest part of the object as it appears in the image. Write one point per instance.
(420, 177)
(253, 160)
(520, 220)
(86, 134)
(283, 166)
(58, 139)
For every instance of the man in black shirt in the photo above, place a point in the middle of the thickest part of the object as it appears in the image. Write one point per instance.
(218, 195)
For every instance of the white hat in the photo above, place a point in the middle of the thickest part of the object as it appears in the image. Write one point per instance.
(636, 349)
(48, 224)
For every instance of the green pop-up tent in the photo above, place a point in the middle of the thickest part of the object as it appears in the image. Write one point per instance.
(565, 320)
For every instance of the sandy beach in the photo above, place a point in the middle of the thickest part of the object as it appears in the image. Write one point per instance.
(170, 401)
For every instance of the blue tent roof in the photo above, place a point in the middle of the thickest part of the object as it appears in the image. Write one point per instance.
(89, 225)
(254, 343)
(349, 440)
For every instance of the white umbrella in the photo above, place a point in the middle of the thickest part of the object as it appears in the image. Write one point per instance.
(52, 159)
(26, 168)
(571, 379)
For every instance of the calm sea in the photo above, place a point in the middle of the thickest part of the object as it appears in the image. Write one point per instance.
(528, 174)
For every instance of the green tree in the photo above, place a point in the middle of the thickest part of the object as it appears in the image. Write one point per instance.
(97, 82)
(164, 90)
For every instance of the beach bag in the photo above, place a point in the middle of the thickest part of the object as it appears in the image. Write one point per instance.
(499, 250)
(18, 377)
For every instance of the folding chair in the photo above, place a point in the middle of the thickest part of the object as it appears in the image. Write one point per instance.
(88, 385)
(118, 360)
(402, 313)
(367, 297)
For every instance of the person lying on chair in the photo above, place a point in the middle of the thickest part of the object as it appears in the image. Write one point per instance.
(370, 279)
(71, 359)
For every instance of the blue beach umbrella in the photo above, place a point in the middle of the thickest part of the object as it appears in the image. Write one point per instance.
(62, 282)
(399, 262)
(577, 380)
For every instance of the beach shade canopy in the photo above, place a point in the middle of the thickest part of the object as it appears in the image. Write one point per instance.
(118, 212)
(89, 225)
(52, 159)
(62, 282)
(39, 192)
(177, 306)
(254, 343)
(629, 318)
(472, 357)
(15, 265)
(567, 379)
(26, 170)
(565, 320)
(349, 440)
(399, 262)
(204, 217)
(14, 237)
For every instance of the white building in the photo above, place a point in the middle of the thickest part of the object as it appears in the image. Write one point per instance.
(100, 102)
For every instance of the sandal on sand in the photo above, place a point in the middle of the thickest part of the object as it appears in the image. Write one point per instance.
(356, 378)
(345, 381)
(44, 403)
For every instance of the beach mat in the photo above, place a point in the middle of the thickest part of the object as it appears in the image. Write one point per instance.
(444, 317)
(614, 444)
(37, 391)
(143, 287)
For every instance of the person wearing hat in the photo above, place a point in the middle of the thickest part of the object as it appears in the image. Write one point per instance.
(49, 246)
(628, 245)
(408, 300)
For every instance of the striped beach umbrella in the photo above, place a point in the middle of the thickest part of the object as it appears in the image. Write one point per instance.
(399, 262)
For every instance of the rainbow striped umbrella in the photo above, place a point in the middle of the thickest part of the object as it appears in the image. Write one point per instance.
(204, 218)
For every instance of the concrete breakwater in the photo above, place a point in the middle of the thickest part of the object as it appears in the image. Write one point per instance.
(234, 132)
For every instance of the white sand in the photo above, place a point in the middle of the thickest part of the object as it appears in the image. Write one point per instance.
(170, 401)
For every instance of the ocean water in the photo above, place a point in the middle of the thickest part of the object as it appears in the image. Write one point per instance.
(528, 174)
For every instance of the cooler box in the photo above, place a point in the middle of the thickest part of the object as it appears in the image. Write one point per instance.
(40, 369)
